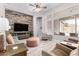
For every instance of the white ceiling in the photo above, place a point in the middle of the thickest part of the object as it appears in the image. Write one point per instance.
(25, 8)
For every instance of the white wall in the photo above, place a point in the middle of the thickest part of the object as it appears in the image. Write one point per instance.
(34, 26)
(2, 10)
(56, 26)
(46, 18)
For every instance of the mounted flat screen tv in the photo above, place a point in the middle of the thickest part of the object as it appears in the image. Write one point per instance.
(20, 27)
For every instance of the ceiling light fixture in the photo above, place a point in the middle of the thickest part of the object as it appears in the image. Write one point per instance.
(37, 7)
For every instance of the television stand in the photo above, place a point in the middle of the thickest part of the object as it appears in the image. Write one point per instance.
(21, 35)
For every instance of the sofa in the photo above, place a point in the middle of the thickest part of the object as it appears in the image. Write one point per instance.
(60, 50)
(73, 34)
(72, 40)
(61, 33)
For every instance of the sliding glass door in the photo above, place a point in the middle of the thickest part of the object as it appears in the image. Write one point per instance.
(67, 25)
(70, 25)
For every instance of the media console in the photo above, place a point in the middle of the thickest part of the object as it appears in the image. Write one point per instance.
(21, 35)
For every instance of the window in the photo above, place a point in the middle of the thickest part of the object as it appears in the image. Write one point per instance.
(69, 25)
(77, 24)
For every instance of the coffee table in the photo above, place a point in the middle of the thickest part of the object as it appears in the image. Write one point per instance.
(15, 50)
(70, 45)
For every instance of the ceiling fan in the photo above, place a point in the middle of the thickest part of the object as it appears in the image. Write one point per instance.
(38, 5)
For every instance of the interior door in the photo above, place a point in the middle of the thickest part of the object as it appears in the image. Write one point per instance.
(39, 26)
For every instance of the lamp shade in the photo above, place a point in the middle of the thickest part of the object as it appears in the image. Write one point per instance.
(4, 24)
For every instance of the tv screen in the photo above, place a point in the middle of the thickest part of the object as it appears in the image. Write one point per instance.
(20, 27)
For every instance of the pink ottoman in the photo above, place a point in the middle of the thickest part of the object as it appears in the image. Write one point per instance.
(33, 42)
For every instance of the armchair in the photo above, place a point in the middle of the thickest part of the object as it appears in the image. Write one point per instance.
(46, 37)
(59, 50)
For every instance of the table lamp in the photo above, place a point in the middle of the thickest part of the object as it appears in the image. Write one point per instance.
(4, 26)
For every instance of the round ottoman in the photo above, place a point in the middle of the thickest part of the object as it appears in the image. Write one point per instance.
(33, 42)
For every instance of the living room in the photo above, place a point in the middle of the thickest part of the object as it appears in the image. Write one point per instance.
(39, 29)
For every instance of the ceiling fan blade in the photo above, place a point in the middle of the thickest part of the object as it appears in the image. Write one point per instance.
(31, 5)
(43, 7)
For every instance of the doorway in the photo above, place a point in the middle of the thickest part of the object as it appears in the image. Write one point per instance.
(39, 27)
